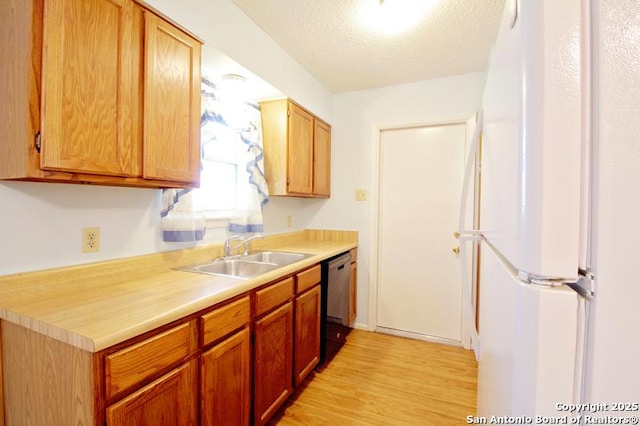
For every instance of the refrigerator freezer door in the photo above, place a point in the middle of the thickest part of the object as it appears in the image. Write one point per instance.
(529, 340)
(534, 139)
(614, 375)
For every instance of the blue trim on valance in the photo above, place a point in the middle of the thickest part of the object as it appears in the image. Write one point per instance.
(182, 236)
(237, 228)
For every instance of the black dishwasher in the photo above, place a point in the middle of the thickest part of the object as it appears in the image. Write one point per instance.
(334, 325)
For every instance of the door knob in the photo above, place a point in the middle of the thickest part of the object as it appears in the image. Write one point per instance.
(456, 250)
(456, 235)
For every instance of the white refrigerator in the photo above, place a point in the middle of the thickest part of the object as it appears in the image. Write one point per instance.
(545, 316)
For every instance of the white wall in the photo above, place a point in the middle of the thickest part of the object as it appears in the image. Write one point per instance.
(40, 223)
(356, 115)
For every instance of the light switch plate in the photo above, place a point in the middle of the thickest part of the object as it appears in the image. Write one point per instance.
(361, 195)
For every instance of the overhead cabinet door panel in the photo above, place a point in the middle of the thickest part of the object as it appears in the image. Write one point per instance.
(171, 103)
(297, 150)
(322, 159)
(88, 86)
(300, 150)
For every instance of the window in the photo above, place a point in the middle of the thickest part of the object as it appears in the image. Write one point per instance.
(217, 188)
(219, 173)
(230, 138)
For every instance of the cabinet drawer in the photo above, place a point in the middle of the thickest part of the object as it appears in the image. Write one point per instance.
(222, 321)
(132, 365)
(274, 295)
(307, 279)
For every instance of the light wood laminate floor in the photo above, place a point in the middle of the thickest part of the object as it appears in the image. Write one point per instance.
(377, 379)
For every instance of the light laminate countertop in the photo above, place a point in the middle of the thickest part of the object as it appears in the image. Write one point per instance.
(99, 305)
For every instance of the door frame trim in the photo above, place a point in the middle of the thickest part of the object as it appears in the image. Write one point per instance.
(374, 231)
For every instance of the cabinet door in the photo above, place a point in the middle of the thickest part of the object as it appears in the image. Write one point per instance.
(168, 401)
(300, 156)
(322, 159)
(307, 335)
(89, 107)
(226, 382)
(353, 292)
(171, 103)
(272, 362)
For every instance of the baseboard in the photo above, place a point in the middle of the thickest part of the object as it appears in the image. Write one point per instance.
(417, 336)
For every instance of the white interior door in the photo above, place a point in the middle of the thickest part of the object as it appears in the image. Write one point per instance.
(419, 288)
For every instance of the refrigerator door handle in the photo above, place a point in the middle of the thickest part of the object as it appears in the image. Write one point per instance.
(471, 157)
(464, 235)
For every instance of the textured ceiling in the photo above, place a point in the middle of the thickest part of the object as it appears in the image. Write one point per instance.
(328, 38)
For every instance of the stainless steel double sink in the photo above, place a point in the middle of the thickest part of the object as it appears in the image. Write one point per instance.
(248, 265)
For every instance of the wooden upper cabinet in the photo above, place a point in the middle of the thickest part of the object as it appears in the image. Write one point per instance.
(171, 103)
(98, 91)
(89, 87)
(300, 163)
(322, 159)
(297, 147)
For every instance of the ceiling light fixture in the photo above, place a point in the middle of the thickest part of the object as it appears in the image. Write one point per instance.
(234, 85)
(394, 16)
(233, 80)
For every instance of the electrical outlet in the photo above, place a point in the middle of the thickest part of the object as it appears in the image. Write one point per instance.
(90, 240)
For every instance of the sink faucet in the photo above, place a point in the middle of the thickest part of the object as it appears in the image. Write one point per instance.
(246, 242)
(227, 243)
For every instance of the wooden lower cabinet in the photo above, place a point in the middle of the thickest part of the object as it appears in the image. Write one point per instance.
(307, 333)
(272, 363)
(353, 293)
(170, 400)
(225, 382)
(203, 369)
(1, 381)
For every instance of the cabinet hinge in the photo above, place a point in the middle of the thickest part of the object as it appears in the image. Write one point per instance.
(38, 142)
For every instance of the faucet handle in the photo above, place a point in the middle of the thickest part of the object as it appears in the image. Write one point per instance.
(227, 243)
